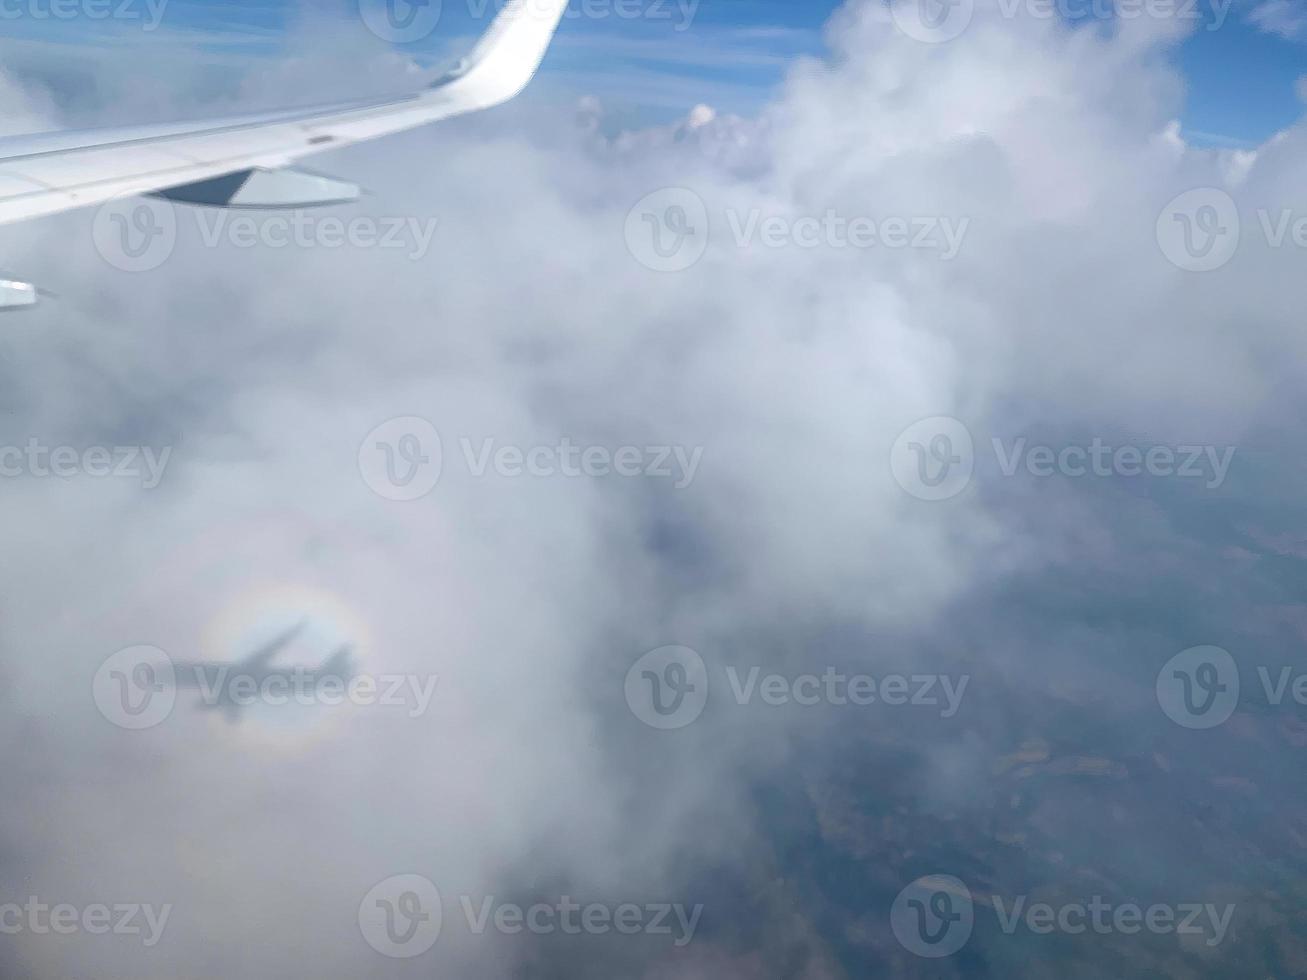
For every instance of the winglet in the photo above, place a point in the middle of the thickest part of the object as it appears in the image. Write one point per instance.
(508, 55)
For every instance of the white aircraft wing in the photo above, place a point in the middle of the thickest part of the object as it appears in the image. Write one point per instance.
(239, 161)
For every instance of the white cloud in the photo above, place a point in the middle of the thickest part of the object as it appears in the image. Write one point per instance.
(1283, 17)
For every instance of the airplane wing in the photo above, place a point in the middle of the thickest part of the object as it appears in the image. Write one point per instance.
(241, 161)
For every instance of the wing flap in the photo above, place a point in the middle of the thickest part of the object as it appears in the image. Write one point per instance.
(76, 169)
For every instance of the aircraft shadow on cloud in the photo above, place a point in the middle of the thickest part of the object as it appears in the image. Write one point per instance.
(233, 687)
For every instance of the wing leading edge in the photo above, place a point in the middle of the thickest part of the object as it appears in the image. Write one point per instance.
(45, 174)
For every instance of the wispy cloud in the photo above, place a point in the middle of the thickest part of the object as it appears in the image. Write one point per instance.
(1285, 18)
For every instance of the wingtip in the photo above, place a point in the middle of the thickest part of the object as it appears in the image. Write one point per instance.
(509, 54)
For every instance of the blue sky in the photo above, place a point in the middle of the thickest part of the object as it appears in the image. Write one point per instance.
(1241, 78)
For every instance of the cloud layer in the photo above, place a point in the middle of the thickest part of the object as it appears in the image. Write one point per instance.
(534, 318)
